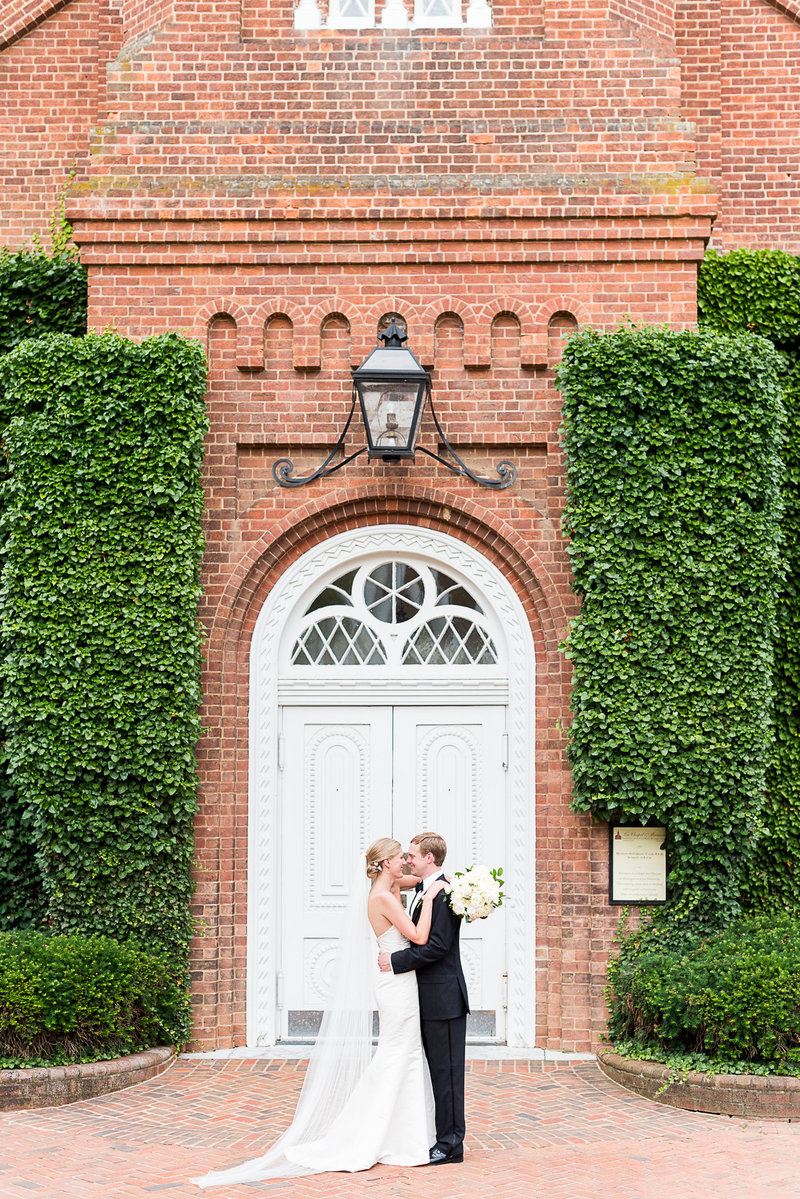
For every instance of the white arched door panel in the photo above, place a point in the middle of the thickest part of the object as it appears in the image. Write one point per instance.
(391, 689)
(351, 775)
(450, 778)
(336, 795)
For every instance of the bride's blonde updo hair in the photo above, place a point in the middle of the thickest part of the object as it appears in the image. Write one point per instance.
(378, 852)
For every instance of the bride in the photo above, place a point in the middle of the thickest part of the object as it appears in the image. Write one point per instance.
(353, 1111)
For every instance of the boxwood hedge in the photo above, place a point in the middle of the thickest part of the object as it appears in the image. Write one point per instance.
(79, 998)
(732, 998)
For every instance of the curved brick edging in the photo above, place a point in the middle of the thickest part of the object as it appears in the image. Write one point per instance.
(766, 1096)
(51, 1086)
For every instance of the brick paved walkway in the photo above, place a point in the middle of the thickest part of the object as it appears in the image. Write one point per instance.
(535, 1131)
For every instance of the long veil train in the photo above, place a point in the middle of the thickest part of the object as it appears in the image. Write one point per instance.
(340, 1055)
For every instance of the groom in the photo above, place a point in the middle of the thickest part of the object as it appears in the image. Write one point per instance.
(443, 1003)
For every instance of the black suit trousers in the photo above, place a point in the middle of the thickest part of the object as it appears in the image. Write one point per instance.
(444, 1042)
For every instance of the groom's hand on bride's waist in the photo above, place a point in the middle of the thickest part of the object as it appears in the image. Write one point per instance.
(385, 962)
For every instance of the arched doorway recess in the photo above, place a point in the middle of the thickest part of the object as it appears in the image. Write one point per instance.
(391, 689)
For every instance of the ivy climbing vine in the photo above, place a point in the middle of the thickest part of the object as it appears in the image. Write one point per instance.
(40, 292)
(672, 442)
(759, 291)
(100, 644)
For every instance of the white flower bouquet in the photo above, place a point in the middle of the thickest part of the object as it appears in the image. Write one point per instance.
(476, 892)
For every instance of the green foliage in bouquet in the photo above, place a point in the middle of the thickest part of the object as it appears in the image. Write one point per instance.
(672, 442)
(759, 291)
(101, 511)
(76, 998)
(729, 1002)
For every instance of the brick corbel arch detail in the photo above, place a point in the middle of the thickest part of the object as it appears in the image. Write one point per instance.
(425, 348)
(533, 342)
(321, 518)
(572, 307)
(570, 304)
(224, 306)
(308, 348)
(410, 314)
(250, 343)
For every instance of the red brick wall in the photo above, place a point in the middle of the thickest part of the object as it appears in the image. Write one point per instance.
(52, 71)
(280, 387)
(740, 67)
(276, 193)
(513, 109)
(235, 107)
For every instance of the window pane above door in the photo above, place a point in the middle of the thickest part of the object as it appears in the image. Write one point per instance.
(394, 613)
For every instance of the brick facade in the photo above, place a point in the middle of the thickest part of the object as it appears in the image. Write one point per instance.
(276, 193)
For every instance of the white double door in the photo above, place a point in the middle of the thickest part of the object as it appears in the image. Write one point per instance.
(352, 774)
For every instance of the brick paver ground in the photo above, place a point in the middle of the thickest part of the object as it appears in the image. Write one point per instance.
(535, 1131)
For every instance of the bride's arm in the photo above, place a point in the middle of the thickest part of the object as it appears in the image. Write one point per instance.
(393, 910)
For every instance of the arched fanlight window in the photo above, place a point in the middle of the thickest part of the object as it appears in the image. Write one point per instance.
(394, 613)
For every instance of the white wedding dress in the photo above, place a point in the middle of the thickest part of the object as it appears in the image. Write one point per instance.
(389, 1116)
(386, 1115)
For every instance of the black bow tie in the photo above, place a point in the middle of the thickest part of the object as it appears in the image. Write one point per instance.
(418, 887)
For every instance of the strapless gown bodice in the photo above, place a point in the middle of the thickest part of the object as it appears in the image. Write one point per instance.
(392, 940)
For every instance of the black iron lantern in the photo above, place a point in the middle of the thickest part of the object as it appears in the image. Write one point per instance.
(392, 389)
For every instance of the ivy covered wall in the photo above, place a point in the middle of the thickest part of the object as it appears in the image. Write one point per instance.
(759, 291)
(40, 293)
(672, 441)
(100, 645)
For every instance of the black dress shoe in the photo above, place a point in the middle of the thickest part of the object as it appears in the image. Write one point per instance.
(440, 1158)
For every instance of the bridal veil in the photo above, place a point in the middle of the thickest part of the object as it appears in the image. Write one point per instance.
(340, 1055)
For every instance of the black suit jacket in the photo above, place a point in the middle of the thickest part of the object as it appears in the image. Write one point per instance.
(442, 988)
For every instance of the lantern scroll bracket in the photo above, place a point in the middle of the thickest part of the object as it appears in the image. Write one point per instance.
(282, 469)
(392, 390)
(506, 471)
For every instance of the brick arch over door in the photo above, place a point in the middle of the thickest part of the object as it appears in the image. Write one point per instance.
(223, 754)
(341, 552)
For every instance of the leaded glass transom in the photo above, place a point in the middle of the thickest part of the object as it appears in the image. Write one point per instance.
(394, 592)
(337, 641)
(394, 613)
(450, 640)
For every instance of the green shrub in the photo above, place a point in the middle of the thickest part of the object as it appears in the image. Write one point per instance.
(733, 997)
(74, 998)
(672, 442)
(100, 641)
(759, 290)
(39, 293)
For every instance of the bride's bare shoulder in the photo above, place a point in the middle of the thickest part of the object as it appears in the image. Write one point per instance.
(384, 901)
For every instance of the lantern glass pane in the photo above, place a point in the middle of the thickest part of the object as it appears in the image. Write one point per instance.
(389, 411)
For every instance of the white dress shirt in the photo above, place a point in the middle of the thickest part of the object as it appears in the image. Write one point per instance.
(426, 882)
